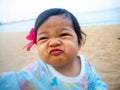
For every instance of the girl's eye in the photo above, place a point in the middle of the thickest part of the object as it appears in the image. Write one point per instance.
(64, 34)
(43, 38)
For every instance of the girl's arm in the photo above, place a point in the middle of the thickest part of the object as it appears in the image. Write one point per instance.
(94, 80)
(8, 81)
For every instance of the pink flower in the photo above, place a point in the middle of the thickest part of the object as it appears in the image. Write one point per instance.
(32, 38)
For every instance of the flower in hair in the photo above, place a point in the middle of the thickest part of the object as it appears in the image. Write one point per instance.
(32, 38)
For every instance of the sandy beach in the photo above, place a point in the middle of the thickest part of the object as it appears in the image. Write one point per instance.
(102, 47)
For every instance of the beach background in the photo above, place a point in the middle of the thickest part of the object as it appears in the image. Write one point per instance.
(102, 26)
(102, 48)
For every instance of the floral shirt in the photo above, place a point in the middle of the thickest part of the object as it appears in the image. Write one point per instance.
(40, 76)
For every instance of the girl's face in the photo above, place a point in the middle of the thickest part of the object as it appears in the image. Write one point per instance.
(56, 41)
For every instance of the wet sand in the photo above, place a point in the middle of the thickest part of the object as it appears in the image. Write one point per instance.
(102, 47)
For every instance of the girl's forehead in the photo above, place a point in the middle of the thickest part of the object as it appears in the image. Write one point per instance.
(57, 21)
(55, 24)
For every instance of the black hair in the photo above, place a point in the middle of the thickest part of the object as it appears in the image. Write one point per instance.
(59, 11)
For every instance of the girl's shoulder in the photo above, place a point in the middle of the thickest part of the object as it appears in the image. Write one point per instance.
(25, 78)
(26, 72)
(34, 66)
(86, 65)
(85, 61)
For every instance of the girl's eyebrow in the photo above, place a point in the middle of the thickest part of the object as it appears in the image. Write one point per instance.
(67, 29)
(41, 33)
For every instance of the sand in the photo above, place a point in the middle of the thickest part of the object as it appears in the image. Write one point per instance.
(102, 47)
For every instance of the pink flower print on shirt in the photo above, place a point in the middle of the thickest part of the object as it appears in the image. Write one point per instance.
(84, 82)
(42, 69)
(31, 67)
(25, 85)
(89, 63)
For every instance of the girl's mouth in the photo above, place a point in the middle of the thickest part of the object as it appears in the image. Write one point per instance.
(56, 52)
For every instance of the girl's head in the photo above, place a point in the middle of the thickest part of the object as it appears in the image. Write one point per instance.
(58, 11)
(58, 36)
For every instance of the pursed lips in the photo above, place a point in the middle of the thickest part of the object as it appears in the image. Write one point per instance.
(55, 51)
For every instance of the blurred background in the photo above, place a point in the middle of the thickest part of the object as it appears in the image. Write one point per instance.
(22, 13)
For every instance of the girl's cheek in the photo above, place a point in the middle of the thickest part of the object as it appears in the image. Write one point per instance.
(41, 48)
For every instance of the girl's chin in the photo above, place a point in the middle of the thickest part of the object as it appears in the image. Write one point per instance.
(56, 63)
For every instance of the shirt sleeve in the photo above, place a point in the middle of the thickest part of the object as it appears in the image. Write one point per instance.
(8, 81)
(94, 80)
(23, 80)
(31, 77)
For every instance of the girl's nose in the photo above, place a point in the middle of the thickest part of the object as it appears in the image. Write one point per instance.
(54, 42)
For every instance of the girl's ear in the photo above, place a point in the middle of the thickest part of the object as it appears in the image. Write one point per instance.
(79, 45)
